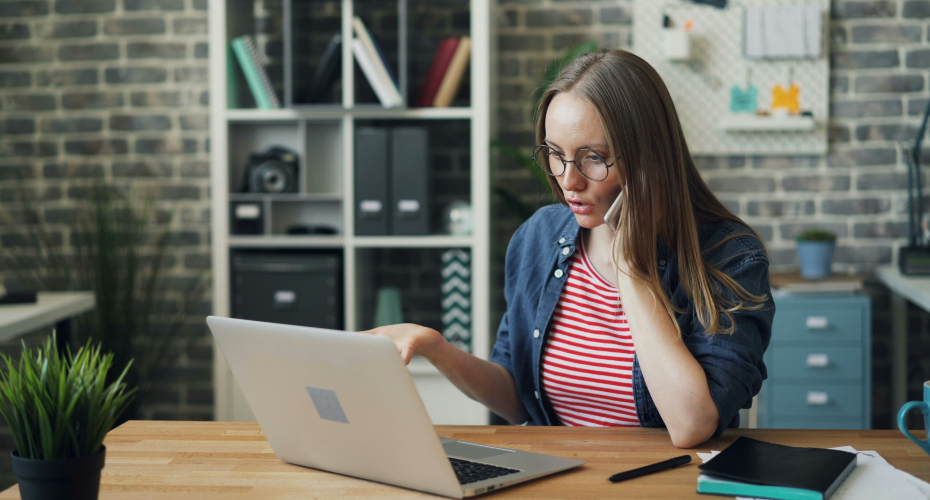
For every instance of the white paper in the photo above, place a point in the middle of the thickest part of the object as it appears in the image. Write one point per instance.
(783, 31)
(752, 33)
(813, 27)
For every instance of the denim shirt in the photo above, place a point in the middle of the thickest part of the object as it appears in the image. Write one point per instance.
(537, 268)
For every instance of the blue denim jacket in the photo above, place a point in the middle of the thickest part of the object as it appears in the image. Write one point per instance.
(536, 269)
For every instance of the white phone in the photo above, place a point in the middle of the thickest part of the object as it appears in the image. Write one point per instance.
(612, 218)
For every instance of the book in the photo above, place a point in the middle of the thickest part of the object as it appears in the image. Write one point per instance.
(326, 72)
(452, 80)
(253, 66)
(379, 64)
(368, 68)
(232, 80)
(753, 468)
(794, 283)
(437, 69)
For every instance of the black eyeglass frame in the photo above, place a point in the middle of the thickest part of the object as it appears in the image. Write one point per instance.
(566, 162)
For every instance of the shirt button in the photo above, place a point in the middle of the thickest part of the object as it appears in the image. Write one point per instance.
(558, 273)
(561, 240)
(566, 251)
(661, 262)
(536, 393)
(535, 334)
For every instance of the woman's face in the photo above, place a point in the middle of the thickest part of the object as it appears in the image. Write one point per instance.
(571, 124)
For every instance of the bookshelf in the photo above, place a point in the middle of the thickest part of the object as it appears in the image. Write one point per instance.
(323, 135)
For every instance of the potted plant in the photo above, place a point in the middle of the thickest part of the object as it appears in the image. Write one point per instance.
(815, 252)
(59, 409)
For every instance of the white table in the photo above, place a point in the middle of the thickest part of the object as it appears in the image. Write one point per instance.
(915, 289)
(51, 308)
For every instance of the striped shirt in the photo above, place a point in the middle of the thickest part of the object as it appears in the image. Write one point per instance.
(587, 364)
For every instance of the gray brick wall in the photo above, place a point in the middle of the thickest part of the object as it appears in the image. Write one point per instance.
(879, 60)
(114, 89)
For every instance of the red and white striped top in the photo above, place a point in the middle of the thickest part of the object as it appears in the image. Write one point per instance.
(587, 366)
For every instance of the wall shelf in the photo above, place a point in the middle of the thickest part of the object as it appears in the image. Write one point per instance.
(753, 123)
(334, 113)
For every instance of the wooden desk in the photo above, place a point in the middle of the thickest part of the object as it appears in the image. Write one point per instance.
(224, 460)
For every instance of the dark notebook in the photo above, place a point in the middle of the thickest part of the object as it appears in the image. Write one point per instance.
(817, 470)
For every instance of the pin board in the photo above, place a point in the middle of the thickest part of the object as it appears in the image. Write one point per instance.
(716, 79)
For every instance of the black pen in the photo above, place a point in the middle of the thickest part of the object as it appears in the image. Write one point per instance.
(649, 469)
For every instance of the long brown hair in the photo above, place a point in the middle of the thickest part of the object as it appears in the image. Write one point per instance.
(665, 195)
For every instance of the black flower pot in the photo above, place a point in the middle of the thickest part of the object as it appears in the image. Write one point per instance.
(70, 478)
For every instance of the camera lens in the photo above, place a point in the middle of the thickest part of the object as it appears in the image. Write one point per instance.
(274, 180)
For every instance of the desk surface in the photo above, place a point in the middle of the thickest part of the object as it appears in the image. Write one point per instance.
(49, 308)
(232, 460)
(914, 288)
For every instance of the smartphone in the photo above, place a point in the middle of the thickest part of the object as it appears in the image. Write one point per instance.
(613, 213)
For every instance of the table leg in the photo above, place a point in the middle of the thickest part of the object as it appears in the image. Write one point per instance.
(63, 335)
(898, 352)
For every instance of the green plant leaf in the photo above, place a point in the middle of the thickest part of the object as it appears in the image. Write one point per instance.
(61, 406)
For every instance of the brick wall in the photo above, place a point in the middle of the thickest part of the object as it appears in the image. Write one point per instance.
(879, 62)
(114, 89)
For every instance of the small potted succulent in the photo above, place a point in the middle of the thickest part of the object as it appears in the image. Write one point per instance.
(815, 252)
(59, 408)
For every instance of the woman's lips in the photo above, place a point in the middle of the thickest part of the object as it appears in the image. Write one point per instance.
(579, 207)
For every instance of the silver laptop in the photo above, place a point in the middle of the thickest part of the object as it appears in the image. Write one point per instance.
(344, 402)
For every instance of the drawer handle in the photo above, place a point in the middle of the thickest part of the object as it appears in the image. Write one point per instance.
(817, 322)
(817, 360)
(817, 398)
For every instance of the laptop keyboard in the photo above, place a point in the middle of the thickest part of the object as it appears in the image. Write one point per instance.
(472, 472)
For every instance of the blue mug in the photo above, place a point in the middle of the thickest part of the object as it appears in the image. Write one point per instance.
(925, 408)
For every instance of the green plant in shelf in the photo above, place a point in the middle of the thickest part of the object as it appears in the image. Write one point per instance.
(59, 406)
(817, 234)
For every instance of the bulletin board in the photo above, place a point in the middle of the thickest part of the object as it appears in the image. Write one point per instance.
(701, 86)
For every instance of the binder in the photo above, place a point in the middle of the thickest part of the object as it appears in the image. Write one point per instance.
(255, 73)
(363, 58)
(372, 205)
(378, 64)
(437, 69)
(453, 77)
(410, 180)
(326, 73)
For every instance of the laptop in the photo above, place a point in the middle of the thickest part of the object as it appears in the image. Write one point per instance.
(344, 402)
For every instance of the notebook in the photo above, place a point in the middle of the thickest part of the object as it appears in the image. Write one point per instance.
(753, 468)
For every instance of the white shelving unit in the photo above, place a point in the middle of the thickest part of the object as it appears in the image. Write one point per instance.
(329, 131)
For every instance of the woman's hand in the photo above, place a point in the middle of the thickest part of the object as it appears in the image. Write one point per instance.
(410, 339)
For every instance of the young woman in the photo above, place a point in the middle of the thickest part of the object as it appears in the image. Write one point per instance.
(661, 323)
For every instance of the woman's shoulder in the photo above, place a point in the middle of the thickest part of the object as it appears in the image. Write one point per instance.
(550, 222)
(724, 240)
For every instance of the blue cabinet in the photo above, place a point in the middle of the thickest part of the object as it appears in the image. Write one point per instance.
(819, 363)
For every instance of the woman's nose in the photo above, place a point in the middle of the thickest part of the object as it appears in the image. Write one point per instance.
(572, 179)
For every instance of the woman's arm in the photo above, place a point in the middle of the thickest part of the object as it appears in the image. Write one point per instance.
(484, 381)
(675, 379)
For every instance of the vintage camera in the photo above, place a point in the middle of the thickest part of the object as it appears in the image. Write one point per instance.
(272, 171)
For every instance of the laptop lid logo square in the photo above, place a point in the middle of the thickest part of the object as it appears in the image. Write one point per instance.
(327, 405)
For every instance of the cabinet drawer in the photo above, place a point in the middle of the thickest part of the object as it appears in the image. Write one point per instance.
(817, 324)
(816, 363)
(819, 423)
(816, 400)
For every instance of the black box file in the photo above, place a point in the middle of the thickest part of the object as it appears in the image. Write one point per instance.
(294, 287)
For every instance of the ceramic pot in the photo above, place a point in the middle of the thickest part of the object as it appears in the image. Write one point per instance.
(70, 478)
(816, 258)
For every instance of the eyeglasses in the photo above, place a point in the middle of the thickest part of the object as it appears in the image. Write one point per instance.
(590, 163)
